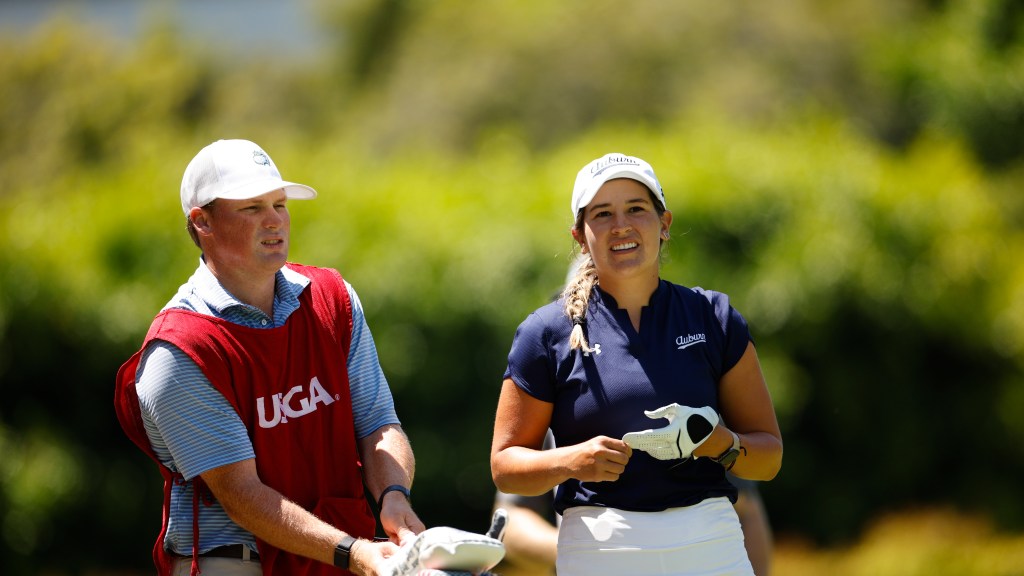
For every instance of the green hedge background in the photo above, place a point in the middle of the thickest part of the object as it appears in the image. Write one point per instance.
(850, 173)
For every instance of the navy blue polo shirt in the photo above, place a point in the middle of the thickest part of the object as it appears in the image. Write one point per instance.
(689, 338)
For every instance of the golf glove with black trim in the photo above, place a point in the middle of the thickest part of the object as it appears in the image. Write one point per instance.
(444, 550)
(687, 429)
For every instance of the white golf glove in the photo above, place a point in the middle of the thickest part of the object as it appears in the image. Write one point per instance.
(442, 550)
(687, 429)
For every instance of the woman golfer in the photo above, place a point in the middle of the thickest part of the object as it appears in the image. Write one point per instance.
(652, 391)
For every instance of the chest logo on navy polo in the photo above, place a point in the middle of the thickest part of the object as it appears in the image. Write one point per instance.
(689, 340)
(597, 350)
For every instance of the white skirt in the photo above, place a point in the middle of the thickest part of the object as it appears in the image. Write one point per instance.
(703, 539)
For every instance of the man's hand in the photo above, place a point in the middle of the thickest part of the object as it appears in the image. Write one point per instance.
(688, 428)
(398, 519)
(368, 558)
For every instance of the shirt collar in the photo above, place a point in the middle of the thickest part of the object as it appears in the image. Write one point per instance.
(288, 285)
(609, 301)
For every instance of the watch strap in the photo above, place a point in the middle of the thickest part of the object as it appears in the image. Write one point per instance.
(393, 488)
(728, 458)
(343, 552)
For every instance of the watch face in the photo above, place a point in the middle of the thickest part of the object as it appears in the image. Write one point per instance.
(729, 457)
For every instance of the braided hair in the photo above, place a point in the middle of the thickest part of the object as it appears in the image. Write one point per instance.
(577, 298)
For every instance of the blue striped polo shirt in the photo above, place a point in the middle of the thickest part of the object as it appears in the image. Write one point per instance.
(688, 339)
(193, 428)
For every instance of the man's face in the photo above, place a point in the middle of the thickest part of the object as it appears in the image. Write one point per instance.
(248, 236)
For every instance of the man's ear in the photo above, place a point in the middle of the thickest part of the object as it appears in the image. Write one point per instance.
(199, 220)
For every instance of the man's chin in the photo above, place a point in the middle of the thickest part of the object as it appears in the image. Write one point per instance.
(276, 260)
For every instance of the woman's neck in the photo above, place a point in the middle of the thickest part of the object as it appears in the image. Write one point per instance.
(631, 294)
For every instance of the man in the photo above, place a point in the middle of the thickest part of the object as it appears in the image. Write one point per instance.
(259, 393)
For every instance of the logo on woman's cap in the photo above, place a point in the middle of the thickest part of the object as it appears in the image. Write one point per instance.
(591, 177)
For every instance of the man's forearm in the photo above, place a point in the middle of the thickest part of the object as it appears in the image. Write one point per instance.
(387, 459)
(269, 515)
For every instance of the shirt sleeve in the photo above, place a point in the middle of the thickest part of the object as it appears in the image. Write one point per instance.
(529, 364)
(372, 403)
(190, 424)
(734, 327)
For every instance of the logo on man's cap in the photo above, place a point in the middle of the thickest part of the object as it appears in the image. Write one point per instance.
(259, 157)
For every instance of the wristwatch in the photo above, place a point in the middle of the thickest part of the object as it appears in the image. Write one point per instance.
(728, 458)
(343, 552)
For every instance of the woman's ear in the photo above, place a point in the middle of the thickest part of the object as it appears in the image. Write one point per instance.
(666, 223)
(580, 239)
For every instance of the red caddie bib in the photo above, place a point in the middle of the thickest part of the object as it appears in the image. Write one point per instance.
(289, 385)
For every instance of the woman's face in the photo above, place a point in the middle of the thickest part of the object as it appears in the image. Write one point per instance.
(622, 230)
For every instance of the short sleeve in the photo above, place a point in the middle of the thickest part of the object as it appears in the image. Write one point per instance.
(186, 418)
(372, 403)
(734, 328)
(529, 363)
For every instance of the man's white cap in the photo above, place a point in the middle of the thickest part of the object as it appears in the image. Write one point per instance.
(608, 167)
(234, 170)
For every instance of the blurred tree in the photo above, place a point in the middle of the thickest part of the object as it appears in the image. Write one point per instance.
(849, 174)
(961, 70)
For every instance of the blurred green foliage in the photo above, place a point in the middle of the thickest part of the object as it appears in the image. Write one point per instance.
(910, 542)
(849, 173)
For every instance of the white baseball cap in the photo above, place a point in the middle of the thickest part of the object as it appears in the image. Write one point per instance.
(234, 170)
(608, 167)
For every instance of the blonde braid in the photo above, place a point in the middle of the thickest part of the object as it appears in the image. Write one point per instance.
(577, 298)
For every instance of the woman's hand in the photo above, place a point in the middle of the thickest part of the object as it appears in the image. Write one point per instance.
(600, 459)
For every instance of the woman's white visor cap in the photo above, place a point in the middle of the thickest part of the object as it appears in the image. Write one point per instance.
(608, 167)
